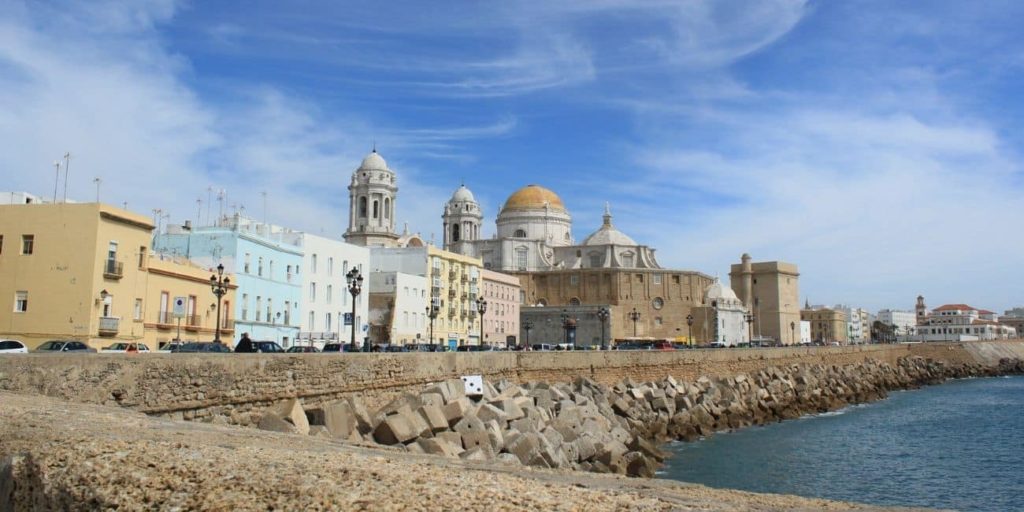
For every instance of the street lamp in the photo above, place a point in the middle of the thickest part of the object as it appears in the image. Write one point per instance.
(602, 315)
(750, 326)
(634, 316)
(527, 325)
(481, 307)
(219, 285)
(792, 333)
(689, 329)
(432, 314)
(355, 286)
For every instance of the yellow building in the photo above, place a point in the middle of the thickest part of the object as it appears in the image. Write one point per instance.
(827, 325)
(82, 271)
(168, 280)
(455, 284)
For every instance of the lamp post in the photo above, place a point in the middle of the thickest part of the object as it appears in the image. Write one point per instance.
(481, 307)
(527, 325)
(602, 315)
(432, 314)
(634, 316)
(219, 285)
(355, 286)
(689, 329)
(750, 326)
(569, 324)
(792, 333)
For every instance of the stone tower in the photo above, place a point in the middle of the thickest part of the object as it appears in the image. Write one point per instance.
(462, 219)
(922, 310)
(371, 216)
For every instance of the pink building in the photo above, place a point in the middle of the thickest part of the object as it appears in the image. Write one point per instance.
(501, 322)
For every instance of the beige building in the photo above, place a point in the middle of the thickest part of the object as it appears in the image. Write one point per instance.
(827, 325)
(771, 292)
(83, 271)
(501, 321)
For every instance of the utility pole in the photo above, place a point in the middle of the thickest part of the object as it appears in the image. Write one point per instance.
(67, 166)
(56, 179)
(264, 193)
(209, 203)
(97, 181)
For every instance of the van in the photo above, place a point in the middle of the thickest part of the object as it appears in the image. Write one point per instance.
(542, 346)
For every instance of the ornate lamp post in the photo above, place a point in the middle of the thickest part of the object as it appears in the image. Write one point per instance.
(689, 329)
(481, 307)
(792, 333)
(219, 285)
(432, 314)
(634, 316)
(602, 315)
(527, 325)
(750, 326)
(355, 286)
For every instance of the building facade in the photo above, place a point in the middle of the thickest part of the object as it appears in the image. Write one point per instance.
(961, 322)
(84, 271)
(722, 320)
(399, 305)
(858, 326)
(326, 304)
(903, 322)
(828, 325)
(771, 292)
(267, 264)
(501, 320)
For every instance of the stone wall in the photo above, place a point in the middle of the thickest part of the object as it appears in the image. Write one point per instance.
(233, 386)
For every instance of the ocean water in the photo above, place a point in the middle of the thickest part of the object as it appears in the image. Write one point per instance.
(959, 445)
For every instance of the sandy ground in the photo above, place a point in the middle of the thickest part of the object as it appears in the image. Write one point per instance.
(74, 456)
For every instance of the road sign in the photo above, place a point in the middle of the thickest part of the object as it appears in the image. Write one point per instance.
(348, 318)
(179, 307)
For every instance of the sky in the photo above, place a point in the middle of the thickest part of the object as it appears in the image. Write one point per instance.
(875, 144)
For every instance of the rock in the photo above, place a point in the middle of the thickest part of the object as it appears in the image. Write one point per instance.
(473, 432)
(438, 446)
(455, 410)
(434, 417)
(395, 429)
(525, 447)
(290, 411)
(488, 412)
(274, 423)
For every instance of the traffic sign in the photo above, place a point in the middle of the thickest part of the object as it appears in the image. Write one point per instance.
(179, 307)
(348, 318)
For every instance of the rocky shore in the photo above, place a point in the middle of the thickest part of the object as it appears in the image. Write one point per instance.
(606, 429)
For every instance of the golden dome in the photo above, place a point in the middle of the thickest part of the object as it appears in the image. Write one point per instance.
(533, 197)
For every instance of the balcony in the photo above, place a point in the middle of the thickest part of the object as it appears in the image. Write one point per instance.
(165, 318)
(192, 322)
(451, 312)
(109, 325)
(227, 325)
(451, 275)
(451, 293)
(465, 278)
(113, 269)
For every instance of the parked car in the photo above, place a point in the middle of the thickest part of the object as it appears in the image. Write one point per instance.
(542, 346)
(337, 347)
(64, 346)
(205, 347)
(662, 345)
(12, 347)
(124, 347)
(717, 344)
(267, 347)
(305, 349)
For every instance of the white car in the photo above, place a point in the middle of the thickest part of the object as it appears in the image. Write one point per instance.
(12, 347)
(123, 347)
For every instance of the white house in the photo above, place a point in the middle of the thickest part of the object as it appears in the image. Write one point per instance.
(325, 293)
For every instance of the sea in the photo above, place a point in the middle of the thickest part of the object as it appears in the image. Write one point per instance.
(958, 445)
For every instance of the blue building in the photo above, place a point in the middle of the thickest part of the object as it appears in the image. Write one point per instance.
(266, 261)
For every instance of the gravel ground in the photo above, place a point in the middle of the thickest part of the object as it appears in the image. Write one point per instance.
(61, 455)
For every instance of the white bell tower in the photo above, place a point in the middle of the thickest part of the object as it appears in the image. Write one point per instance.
(371, 217)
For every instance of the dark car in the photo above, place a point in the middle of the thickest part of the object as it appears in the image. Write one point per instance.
(64, 346)
(208, 347)
(302, 350)
(337, 347)
(267, 347)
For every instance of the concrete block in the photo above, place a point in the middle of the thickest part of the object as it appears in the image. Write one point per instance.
(438, 446)
(291, 411)
(511, 409)
(394, 429)
(567, 429)
(525, 447)
(496, 436)
(488, 412)
(455, 410)
(453, 438)
(585, 448)
(434, 416)
(433, 398)
(473, 432)
(340, 419)
(553, 436)
(481, 453)
(319, 431)
(272, 422)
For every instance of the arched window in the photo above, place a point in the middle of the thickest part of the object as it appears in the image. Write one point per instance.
(519, 233)
(455, 232)
(387, 208)
(362, 207)
(376, 208)
(575, 301)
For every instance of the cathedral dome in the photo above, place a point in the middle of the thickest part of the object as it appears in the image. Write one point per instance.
(373, 162)
(718, 291)
(607, 234)
(533, 197)
(463, 195)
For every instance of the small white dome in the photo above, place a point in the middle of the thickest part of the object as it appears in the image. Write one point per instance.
(718, 291)
(607, 234)
(463, 195)
(373, 162)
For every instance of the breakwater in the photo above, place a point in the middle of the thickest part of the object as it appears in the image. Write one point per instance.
(609, 429)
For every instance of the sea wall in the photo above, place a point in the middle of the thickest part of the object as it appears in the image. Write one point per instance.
(204, 386)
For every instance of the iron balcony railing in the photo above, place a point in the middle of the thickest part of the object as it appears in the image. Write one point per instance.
(113, 269)
(109, 325)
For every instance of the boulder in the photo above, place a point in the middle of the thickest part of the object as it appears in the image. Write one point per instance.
(395, 429)
(525, 447)
(274, 423)
(434, 417)
(289, 411)
(438, 446)
(455, 410)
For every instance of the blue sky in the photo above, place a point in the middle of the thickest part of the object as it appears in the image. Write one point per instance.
(876, 144)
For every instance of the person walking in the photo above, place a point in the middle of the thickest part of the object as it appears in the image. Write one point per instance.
(245, 344)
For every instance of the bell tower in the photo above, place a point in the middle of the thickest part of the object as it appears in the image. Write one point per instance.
(371, 193)
(462, 220)
(922, 310)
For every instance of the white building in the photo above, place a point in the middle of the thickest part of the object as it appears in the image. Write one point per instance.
(731, 325)
(858, 330)
(960, 322)
(805, 332)
(905, 322)
(325, 295)
(404, 306)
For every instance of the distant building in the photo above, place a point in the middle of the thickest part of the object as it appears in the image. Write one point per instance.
(325, 299)
(771, 292)
(399, 308)
(961, 322)
(904, 321)
(728, 317)
(267, 263)
(858, 329)
(827, 325)
(805, 332)
(85, 271)
(501, 321)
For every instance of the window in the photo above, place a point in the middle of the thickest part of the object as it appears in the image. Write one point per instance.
(596, 260)
(376, 209)
(312, 320)
(574, 280)
(327, 322)
(270, 307)
(259, 267)
(259, 307)
(21, 302)
(1, 244)
(312, 291)
(658, 303)
(142, 256)
(330, 291)
(287, 312)
(246, 268)
(520, 233)
(657, 278)
(312, 264)
(112, 251)
(521, 259)
(165, 302)
(27, 243)
(362, 207)
(245, 306)
(137, 312)
(387, 208)
(330, 266)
